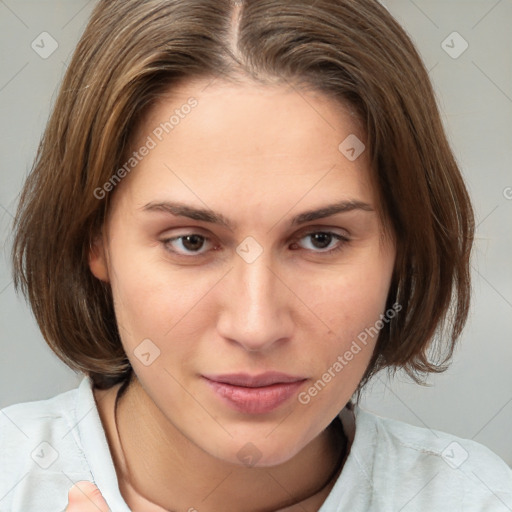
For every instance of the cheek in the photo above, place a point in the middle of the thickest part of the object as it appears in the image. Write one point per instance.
(352, 305)
(352, 296)
(350, 301)
(151, 301)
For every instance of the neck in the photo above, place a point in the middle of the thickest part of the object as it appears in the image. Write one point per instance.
(156, 463)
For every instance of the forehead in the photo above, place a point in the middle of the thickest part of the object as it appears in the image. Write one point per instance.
(259, 119)
(257, 143)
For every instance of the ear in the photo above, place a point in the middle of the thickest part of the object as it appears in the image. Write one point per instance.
(98, 259)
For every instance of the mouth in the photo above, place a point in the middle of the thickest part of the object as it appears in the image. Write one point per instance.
(254, 381)
(254, 394)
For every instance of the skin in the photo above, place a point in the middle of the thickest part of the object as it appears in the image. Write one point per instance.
(258, 156)
(86, 497)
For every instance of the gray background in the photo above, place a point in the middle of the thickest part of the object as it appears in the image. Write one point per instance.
(474, 398)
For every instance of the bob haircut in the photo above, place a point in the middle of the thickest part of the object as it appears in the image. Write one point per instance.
(353, 51)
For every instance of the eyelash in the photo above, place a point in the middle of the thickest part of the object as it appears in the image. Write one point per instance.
(342, 240)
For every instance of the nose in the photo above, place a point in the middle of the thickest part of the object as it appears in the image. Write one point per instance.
(256, 310)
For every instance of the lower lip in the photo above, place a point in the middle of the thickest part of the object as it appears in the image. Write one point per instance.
(255, 400)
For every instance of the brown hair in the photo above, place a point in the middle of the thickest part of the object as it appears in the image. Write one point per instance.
(351, 50)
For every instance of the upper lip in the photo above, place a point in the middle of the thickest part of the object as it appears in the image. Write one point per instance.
(254, 381)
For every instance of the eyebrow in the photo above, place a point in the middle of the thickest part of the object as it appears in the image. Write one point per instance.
(207, 215)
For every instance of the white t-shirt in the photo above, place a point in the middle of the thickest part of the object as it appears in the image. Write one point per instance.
(48, 445)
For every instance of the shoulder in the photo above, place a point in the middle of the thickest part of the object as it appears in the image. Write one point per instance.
(415, 461)
(40, 411)
(24, 423)
(39, 442)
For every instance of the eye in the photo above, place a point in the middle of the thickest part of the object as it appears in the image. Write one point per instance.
(322, 241)
(194, 244)
(189, 244)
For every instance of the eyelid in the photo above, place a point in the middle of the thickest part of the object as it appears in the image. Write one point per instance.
(198, 230)
(309, 230)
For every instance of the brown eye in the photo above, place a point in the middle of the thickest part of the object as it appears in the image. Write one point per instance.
(193, 242)
(186, 244)
(322, 241)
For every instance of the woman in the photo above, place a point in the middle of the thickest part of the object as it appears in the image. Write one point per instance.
(239, 213)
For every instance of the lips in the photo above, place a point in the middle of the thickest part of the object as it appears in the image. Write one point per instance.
(254, 381)
(254, 394)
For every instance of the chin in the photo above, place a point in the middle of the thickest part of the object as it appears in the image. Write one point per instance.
(257, 453)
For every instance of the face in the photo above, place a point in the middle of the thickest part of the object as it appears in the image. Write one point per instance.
(244, 241)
